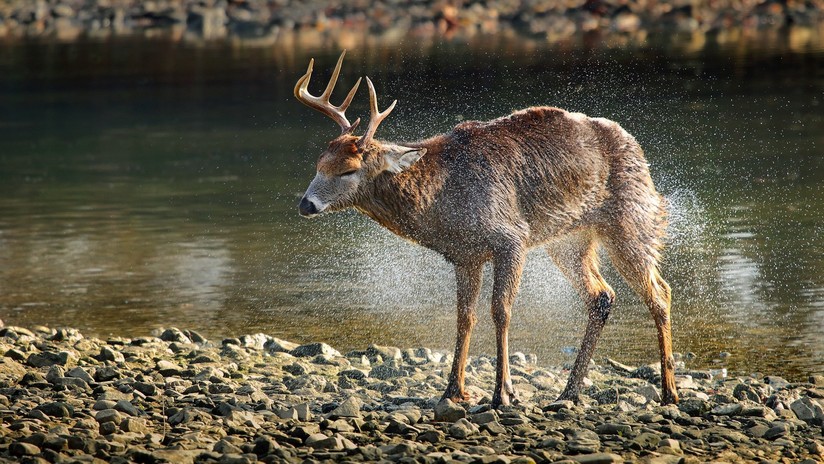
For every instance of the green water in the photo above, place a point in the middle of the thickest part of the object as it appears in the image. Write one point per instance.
(149, 184)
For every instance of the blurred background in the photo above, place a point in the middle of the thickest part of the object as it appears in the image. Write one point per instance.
(152, 157)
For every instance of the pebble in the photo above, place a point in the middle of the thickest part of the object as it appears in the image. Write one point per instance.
(349, 408)
(252, 403)
(462, 428)
(447, 411)
(314, 349)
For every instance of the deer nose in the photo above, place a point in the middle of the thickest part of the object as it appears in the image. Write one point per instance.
(307, 208)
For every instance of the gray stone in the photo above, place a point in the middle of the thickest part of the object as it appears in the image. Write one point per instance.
(651, 373)
(226, 447)
(39, 415)
(693, 406)
(16, 355)
(613, 429)
(354, 374)
(287, 413)
(730, 409)
(598, 458)
(462, 428)
(746, 392)
(727, 434)
(608, 396)
(133, 425)
(665, 459)
(320, 441)
(315, 382)
(168, 368)
(108, 428)
(174, 335)
(126, 407)
(100, 405)
(108, 415)
(485, 417)
(276, 345)
(447, 411)
(670, 443)
(543, 382)
(776, 382)
(314, 349)
(20, 449)
(385, 352)
(584, 441)
(57, 409)
(340, 425)
(387, 371)
(108, 354)
(558, 405)
(780, 429)
(55, 373)
(80, 373)
(296, 369)
(808, 410)
(304, 412)
(494, 428)
(255, 341)
(349, 408)
(107, 373)
(431, 436)
(646, 440)
(758, 431)
(50, 358)
(650, 392)
(145, 388)
(394, 449)
(187, 415)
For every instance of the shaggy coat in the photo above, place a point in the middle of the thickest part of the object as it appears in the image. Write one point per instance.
(492, 190)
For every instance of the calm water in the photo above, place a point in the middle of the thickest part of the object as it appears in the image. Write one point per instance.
(149, 184)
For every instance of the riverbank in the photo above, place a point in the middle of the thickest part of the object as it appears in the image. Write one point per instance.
(260, 22)
(177, 397)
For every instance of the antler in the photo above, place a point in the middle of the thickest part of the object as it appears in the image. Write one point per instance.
(321, 103)
(375, 117)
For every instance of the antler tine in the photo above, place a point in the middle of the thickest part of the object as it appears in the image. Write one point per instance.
(321, 103)
(375, 116)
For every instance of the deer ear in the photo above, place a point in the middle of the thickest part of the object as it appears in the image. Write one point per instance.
(398, 158)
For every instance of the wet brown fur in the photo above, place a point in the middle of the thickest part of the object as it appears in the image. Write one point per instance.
(538, 177)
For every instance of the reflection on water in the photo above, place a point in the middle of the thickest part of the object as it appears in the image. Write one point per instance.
(140, 191)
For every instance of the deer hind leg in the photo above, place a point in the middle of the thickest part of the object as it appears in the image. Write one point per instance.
(508, 263)
(468, 279)
(637, 261)
(577, 258)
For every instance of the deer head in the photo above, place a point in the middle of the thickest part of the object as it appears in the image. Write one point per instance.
(350, 164)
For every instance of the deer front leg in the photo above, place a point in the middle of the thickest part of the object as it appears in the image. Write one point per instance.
(508, 266)
(468, 279)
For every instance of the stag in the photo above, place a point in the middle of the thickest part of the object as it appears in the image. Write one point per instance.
(492, 190)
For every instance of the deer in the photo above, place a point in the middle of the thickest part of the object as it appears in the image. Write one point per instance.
(490, 191)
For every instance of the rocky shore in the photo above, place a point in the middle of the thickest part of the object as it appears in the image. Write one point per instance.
(270, 21)
(177, 397)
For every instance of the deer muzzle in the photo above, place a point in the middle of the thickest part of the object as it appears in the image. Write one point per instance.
(307, 208)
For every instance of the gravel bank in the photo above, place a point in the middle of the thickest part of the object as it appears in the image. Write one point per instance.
(177, 397)
(268, 20)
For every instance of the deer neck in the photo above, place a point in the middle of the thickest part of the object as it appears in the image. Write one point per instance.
(400, 202)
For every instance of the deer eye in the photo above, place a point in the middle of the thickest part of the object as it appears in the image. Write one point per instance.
(349, 173)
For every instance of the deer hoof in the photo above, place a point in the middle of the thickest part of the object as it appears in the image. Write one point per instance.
(504, 399)
(669, 397)
(455, 395)
(570, 395)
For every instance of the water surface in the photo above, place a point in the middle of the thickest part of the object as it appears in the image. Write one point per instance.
(147, 184)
